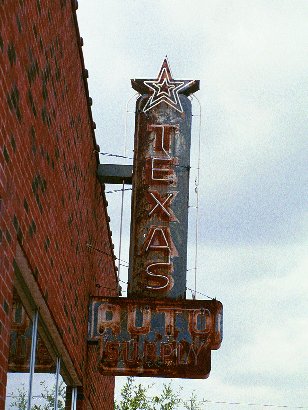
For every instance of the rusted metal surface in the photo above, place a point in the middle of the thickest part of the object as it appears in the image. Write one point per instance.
(165, 88)
(164, 338)
(155, 331)
(158, 247)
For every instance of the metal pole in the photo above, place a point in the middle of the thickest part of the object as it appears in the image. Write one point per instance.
(121, 227)
(57, 382)
(32, 357)
(197, 181)
(74, 398)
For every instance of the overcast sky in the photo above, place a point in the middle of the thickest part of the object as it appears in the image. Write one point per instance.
(251, 59)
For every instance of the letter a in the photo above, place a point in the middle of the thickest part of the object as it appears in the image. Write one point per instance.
(159, 239)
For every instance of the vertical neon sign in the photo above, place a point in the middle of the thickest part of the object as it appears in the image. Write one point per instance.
(158, 251)
(155, 331)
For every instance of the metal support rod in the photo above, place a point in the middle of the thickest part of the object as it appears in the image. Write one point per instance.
(58, 365)
(197, 181)
(121, 227)
(126, 112)
(74, 398)
(32, 357)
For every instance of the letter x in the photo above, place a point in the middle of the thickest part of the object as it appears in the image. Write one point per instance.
(162, 205)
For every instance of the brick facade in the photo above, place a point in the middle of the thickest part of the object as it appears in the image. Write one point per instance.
(51, 202)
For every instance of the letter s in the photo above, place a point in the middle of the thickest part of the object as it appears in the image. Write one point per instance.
(160, 281)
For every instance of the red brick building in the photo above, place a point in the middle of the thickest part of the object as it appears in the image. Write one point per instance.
(56, 247)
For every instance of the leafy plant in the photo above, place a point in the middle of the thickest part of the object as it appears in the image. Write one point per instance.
(136, 397)
(48, 395)
(192, 403)
(133, 397)
(21, 399)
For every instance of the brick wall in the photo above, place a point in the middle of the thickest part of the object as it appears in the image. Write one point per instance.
(51, 202)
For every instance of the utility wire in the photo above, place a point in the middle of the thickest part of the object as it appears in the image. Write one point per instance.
(199, 293)
(90, 246)
(237, 403)
(233, 403)
(118, 190)
(108, 154)
(126, 265)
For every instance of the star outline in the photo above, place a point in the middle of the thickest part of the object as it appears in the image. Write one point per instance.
(158, 95)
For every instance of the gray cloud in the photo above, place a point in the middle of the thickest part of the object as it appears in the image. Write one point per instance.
(251, 59)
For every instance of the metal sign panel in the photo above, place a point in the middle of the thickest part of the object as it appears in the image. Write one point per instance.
(158, 247)
(163, 338)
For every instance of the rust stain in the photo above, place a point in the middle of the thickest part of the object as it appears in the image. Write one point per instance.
(160, 202)
(165, 338)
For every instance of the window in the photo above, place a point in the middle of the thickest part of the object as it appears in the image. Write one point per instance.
(34, 377)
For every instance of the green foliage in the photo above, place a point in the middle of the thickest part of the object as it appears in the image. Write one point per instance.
(21, 399)
(48, 395)
(192, 403)
(136, 397)
(133, 397)
(168, 400)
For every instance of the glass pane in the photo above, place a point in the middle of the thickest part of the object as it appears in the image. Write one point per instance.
(61, 394)
(19, 357)
(45, 379)
(43, 393)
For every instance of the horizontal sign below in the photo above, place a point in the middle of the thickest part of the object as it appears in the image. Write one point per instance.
(166, 338)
